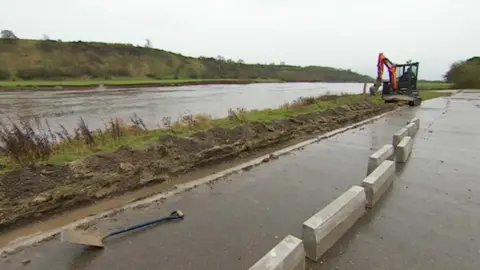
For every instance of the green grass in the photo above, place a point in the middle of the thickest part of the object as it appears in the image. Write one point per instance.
(434, 86)
(5, 165)
(429, 94)
(122, 82)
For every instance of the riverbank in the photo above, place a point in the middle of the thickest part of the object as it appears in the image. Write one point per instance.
(68, 85)
(125, 158)
(71, 85)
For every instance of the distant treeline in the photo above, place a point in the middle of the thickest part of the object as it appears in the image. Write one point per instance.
(46, 59)
(465, 74)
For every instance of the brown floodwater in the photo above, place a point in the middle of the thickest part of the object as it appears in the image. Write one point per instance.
(152, 104)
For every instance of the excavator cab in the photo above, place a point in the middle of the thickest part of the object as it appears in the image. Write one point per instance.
(407, 76)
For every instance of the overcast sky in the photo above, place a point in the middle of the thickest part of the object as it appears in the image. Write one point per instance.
(338, 33)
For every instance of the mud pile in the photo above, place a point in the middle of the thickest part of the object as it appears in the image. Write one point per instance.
(36, 192)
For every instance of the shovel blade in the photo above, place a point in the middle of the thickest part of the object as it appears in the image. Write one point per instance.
(83, 238)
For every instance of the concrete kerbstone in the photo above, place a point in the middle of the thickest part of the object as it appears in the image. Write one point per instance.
(325, 228)
(286, 255)
(404, 150)
(416, 121)
(412, 129)
(399, 135)
(378, 181)
(385, 153)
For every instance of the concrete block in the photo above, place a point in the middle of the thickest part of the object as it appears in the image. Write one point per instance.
(378, 181)
(399, 135)
(384, 153)
(325, 228)
(404, 149)
(286, 255)
(416, 121)
(412, 129)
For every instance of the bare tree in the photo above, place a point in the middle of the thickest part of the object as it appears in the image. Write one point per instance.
(240, 61)
(45, 37)
(148, 43)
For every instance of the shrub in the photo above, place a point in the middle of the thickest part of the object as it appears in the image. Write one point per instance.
(240, 115)
(23, 144)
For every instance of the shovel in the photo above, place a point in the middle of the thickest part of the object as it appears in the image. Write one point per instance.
(93, 240)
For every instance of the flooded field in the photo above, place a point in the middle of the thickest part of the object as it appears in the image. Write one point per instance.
(152, 104)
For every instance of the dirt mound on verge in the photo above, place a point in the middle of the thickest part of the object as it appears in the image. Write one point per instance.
(36, 192)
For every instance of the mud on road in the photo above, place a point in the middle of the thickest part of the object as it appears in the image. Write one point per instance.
(37, 192)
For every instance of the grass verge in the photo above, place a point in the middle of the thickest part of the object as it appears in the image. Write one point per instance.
(434, 86)
(430, 94)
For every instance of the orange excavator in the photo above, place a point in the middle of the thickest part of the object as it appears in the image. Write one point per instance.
(402, 83)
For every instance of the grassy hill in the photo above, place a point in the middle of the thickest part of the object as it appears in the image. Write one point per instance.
(50, 60)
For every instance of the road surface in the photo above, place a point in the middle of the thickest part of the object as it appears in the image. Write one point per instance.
(430, 219)
(424, 222)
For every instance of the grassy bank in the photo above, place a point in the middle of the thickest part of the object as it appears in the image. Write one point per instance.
(123, 82)
(31, 60)
(25, 145)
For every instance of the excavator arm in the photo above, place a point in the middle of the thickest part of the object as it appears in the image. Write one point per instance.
(384, 62)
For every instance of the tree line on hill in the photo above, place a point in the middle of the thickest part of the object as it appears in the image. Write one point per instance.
(48, 59)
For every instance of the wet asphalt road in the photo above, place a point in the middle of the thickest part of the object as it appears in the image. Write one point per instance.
(430, 218)
(152, 104)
